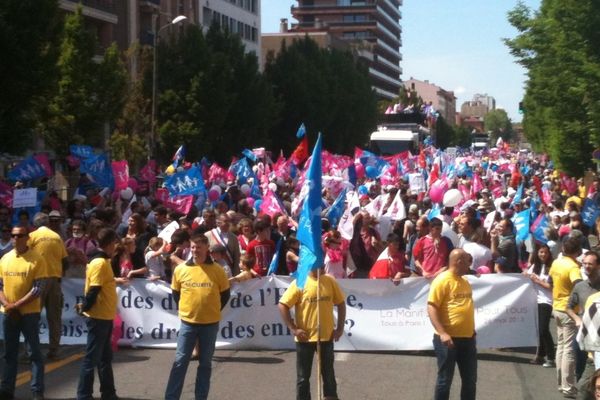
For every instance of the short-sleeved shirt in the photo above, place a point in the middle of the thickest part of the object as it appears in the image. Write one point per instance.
(564, 273)
(99, 273)
(200, 288)
(18, 273)
(579, 295)
(51, 247)
(452, 295)
(432, 254)
(305, 303)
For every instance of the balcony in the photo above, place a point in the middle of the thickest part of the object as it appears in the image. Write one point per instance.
(150, 5)
(102, 5)
(102, 10)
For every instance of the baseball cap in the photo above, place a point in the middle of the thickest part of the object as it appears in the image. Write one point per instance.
(54, 214)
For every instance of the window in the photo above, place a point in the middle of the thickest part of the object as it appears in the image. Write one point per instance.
(206, 16)
(254, 35)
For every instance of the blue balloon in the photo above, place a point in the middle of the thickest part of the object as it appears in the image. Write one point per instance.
(362, 189)
(371, 172)
(257, 204)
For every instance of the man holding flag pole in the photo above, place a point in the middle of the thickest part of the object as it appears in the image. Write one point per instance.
(313, 296)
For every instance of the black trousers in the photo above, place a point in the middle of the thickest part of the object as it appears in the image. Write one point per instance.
(546, 347)
(304, 358)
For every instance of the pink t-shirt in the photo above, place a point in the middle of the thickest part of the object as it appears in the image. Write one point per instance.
(432, 254)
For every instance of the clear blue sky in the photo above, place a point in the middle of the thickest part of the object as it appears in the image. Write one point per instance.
(455, 44)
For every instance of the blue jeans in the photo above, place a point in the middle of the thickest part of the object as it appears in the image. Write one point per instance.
(28, 325)
(464, 354)
(304, 359)
(98, 353)
(206, 336)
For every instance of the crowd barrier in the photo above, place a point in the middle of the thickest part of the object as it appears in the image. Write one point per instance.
(380, 315)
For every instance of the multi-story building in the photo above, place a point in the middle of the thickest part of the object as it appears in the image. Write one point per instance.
(374, 23)
(443, 101)
(486, 100)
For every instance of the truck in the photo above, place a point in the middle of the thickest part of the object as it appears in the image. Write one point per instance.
(480, 141)
(390, 139)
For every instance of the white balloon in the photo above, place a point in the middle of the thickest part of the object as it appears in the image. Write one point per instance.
(245, 188)
(273, 187)
(127, 194)
(451, 198)
(216, 188)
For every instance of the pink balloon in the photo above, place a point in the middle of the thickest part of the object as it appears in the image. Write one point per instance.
(250, 201)
(484, 269)
(133, 184)
(213, 195)
(437, 190)
(360, 171)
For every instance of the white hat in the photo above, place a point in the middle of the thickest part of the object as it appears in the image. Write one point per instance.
(54, 214)
(510, 191)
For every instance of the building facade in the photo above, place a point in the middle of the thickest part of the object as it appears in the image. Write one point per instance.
(372, 25)
(443, 101)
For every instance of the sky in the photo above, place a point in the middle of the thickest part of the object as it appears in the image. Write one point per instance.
(455, 44)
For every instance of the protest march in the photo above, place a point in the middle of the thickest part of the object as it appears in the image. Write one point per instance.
(386, 230)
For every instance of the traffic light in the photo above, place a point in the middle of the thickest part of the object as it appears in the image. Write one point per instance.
(521, 109)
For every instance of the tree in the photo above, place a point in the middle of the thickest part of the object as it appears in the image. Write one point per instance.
(212, 97)
(88, 94)
(327, 90)
(559, 47)
(29, 33)
(498, 124)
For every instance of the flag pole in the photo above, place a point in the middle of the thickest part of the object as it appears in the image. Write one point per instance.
(319, 391)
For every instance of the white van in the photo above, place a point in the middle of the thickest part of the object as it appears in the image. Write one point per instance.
(387, 142)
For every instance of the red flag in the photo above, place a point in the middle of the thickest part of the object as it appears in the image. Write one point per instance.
(42, 158)
(422, 160)
(182, 204)
(538, 186)
(301, 152)
(6, 194)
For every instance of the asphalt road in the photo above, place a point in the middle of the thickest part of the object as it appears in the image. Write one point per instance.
(270, 375)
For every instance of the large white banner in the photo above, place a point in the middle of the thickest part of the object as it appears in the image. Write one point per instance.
(380, 315)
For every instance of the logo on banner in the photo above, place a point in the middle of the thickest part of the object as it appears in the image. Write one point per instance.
(187, 182)
(27, 170)
(99, 169)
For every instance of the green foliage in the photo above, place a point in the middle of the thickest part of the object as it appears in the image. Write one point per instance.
(88, 94)
(325, 89)
(498, 124)
(462, 137)
(559, 45)
(211, 96)
(29, 33)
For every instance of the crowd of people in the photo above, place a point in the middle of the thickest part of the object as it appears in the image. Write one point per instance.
(392, 228)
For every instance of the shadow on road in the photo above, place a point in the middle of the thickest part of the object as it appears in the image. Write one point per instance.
(250, 360)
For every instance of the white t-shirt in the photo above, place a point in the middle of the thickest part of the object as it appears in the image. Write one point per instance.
(544, 296)
(481, 254)
(156, 266)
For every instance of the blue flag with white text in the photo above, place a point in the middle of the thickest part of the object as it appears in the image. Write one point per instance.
(27, 170)
(81, 150)
(590, 212)
(521, 222)
(186, 182)
(336, 210)
(309, 226)
(99, 168)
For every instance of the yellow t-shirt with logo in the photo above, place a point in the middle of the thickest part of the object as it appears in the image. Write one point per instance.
(99, 273)
(304, 303)
(564, 273)
(18, 273)
(200, 288)
(452, 295)
(51, 247)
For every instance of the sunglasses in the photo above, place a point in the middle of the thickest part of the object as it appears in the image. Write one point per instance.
(18, 235)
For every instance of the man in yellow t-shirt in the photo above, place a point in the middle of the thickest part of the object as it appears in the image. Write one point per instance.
(565, 273)
(100, 308)
(201, 289)
(51, 247)
(307, 305)
(452, 314)
(22, 273)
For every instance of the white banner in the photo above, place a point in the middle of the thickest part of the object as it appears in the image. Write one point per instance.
(380, 316)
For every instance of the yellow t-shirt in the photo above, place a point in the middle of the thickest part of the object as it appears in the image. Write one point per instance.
(200, 288)
(99, 273)
(305, 305)
(18, 273)
(453, 297)
(51, 247)
(564, 272)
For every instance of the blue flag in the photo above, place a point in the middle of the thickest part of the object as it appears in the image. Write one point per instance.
(336, 210)
(275, 260)
(518, 196)
(185, 182)
(590, 212)
(249, 155)
(539, 233)
(179, 156)
(435, 211)
(309, 227)
(27, 170)
(243, 171)
(374, 166)
(81, 150)
(99, 169)
(521, 221)
(351, 174)
(301, 131)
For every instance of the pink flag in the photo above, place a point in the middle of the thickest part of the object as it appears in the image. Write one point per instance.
(270, 205)
(216, 174)
(6, 194)
(42, 158)
(148, 172)
(182, 204)
(465, 191)
(496, 190)
(477, 184)
(121, 173)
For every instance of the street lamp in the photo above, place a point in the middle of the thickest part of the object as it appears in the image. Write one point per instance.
(175, 21)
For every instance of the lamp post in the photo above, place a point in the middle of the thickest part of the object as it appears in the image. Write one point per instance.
(152, 143)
